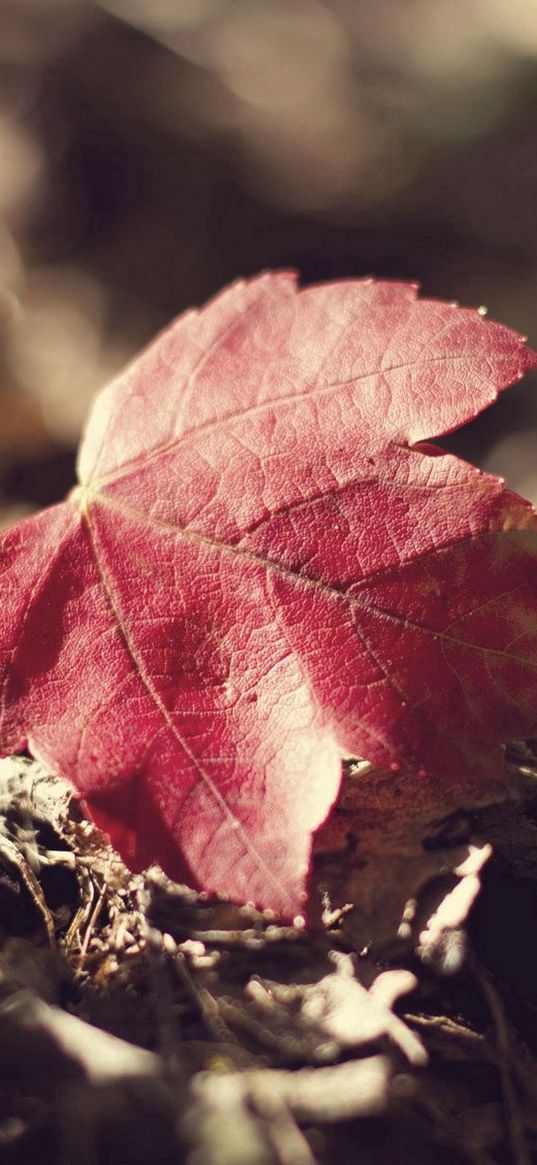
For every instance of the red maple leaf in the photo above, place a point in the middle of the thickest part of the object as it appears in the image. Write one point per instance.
(264, 569)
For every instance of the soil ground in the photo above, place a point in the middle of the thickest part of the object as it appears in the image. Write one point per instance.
(141, 1021)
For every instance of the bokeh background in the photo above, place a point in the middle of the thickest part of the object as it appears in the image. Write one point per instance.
(153, 150)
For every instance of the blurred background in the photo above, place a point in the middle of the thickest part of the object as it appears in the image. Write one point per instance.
(153, 150)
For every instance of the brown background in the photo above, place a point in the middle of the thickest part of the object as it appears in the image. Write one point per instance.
(153, 150)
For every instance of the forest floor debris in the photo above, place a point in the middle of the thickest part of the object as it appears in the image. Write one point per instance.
(141, 1020)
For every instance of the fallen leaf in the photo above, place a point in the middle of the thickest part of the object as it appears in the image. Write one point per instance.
(265, 567)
